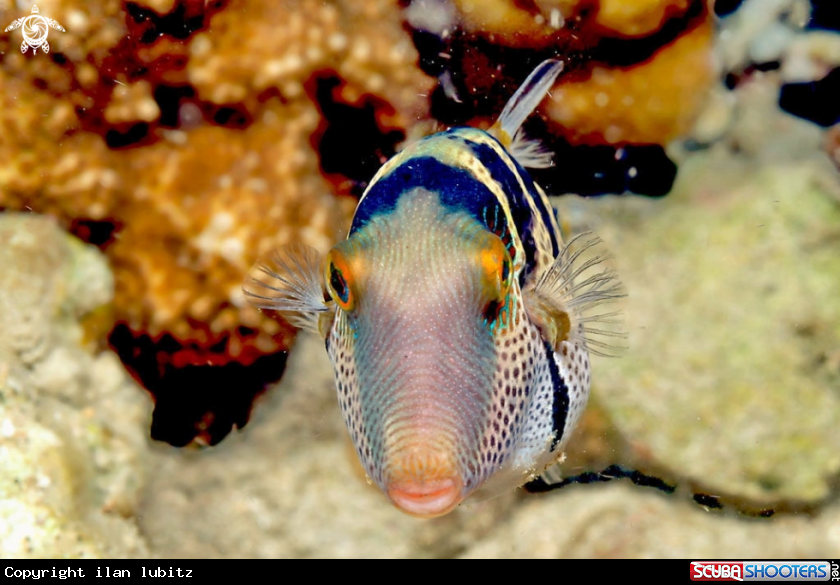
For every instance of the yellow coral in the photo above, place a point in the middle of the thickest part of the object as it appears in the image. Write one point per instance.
(194, 206)
(633, 18)
(512, 24)
(596, 101)
(649, 103)
(507, 21)
(132, 102)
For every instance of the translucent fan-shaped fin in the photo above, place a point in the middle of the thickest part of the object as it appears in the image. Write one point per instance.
(530, 153)
(288, 280)
(564, 296)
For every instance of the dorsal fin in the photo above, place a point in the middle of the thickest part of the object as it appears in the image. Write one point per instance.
(507, 128)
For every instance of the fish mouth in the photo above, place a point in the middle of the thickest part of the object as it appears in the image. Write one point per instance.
(426, 499)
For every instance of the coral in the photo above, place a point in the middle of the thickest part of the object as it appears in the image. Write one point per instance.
(636, 77)
(515, 24)
(632, 18)
(72, 424)
(507, 21)
(652, 102)
(195, 207)
(190, 152)
(637, 72)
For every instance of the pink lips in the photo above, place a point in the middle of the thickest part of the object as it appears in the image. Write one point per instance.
(426, 499)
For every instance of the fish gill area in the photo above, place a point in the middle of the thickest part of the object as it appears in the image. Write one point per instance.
(146, 411)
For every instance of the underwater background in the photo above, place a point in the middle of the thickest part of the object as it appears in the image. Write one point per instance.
(161, 146)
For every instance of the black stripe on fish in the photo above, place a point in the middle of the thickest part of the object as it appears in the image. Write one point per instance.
(560, 398)
(456, 188)
(459, 189)
(520, 202)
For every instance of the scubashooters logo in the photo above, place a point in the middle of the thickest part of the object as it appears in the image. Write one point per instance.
(762, 571)
(717, 571)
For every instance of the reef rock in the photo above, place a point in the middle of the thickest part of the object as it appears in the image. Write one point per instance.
(732, 375)
(72, 423)
(618, 522)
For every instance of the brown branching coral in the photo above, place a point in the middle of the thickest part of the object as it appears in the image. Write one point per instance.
(183, 130)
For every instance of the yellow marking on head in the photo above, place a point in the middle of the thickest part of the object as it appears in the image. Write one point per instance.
(503, 137)
(496, 268)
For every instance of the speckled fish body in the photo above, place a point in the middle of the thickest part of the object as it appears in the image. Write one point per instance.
(455, 325)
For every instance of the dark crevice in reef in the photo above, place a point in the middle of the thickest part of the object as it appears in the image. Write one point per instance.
(596, 170)
(185, 19)
(195, 402)
(169, 99)
(100, 233)
(539, 485)
(234, 116)
(688, 490)
(471, 85)
(825, 14)
(726, 7)
(123, 136)
(816, 101)
(350, 142)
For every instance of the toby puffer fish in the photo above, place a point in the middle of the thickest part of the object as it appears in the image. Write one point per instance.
(454, 316)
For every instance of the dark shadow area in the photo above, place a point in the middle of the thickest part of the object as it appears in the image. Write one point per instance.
(199, 394)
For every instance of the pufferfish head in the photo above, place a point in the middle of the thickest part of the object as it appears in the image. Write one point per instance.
(421, 292)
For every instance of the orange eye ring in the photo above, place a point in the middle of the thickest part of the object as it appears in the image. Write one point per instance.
(339, 279)
(497, 268)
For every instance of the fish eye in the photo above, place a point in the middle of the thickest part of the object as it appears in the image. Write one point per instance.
(507, 272)
(339, 280)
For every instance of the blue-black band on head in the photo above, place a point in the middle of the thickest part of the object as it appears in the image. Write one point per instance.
(459, 189)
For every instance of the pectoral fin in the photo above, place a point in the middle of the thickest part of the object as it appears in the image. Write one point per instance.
(561, 299)
(289, 280)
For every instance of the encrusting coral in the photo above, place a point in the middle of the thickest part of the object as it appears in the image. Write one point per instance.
(638, 71)
(653, 102)
(516, 21)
